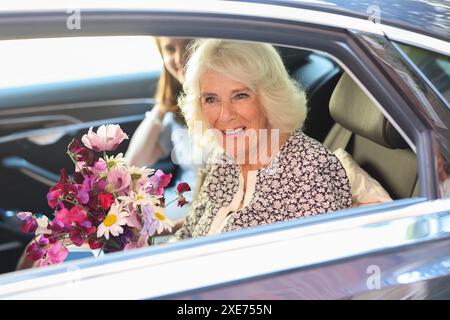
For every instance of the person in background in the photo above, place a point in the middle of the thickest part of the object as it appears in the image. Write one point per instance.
(163, 131)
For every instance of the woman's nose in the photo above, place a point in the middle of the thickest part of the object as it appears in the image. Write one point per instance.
(226, 111)
(179, 58)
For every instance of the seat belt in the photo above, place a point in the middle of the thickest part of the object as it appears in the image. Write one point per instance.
(338, 137)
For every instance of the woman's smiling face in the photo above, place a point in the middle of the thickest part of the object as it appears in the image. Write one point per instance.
(233, 109)
(173, 51)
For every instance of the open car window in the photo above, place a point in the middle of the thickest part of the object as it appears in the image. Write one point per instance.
(47, 61)
(333, 105)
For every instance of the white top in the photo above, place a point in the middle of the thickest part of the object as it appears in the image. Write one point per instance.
(155, 139)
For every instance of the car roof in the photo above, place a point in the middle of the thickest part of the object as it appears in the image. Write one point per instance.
(329, 13)
(430, 17)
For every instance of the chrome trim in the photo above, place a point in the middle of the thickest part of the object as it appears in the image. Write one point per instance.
(417, 39)
(78, 105)
(45, 119)
(67, 128)
(198, 6)
(174, 268)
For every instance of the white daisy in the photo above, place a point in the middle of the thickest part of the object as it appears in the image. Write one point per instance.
(117, 161)
(161, 220)
(112, 223)
(139, 176)
(139, 172)
(139, 198)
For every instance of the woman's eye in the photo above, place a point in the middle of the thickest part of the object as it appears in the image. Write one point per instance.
(241, 96)
(170, 49)
(209, 100)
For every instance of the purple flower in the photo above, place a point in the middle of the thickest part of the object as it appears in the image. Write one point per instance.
(35, 252)
(85, 188)
(149, 227)
(24, 215)
(43, 241)
(56, 226)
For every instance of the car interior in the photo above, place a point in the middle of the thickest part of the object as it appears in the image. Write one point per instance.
(340, 115)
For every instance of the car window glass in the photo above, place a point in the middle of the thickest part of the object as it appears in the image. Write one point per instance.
(38, 61)
(435, 66)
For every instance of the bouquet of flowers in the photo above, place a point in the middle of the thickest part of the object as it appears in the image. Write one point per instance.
(107, 204)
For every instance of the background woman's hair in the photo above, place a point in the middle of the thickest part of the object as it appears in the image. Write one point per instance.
(258, 66)
(168, 89)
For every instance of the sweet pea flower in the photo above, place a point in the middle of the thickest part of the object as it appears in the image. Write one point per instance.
(53, 198)
(57, 253)
(76, 214)
(183, 187)
(30, 225)
(35, 252)
(24, 215)
(181, 201)
(133, 220)
(159, 181)
(107, 138)
(118, 180)
(82, 231)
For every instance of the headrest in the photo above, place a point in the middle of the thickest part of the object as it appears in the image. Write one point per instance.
(352, 109)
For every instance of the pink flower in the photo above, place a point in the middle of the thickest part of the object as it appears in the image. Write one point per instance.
(30, 225)
(74, 215)
(119, 179)
(53, 198)
(107, 138)
(159, 181)
(57, 253)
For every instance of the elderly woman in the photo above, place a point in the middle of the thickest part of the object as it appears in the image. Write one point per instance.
(264, 169)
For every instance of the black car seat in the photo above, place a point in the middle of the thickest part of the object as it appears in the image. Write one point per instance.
(364, 132)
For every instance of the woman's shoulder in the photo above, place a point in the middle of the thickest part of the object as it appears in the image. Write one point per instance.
(306, 156)
(300, 146)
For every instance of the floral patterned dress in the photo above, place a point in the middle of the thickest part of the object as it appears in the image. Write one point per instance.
(303, 179)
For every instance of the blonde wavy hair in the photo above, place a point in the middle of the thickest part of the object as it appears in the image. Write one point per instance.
(258, 66)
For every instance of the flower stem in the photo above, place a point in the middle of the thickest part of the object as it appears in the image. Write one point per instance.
(74, 161)
(172, 201)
